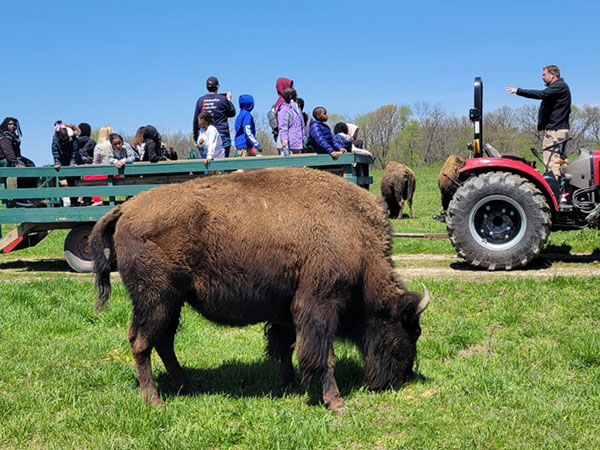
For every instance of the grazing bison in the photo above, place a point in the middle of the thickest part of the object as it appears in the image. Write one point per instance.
(302, 250)
(398, 186)
(448, 173)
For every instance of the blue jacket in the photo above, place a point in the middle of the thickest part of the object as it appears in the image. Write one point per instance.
(321, 138)
(342, 141)
(219, 108)
(245, 131)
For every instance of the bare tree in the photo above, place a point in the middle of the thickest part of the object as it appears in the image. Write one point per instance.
(585, 127)
(181, 142)
(593, 132)
(501, 129)
(527, 118)
(406, 144)
(379, 127)
(335, 118)
(433, 120)
(264, 135)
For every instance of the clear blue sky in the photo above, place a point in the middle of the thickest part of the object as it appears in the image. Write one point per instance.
(130, 63)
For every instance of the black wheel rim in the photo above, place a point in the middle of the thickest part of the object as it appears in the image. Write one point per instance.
(81, 249)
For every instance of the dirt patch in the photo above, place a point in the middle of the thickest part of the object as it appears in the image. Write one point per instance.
(442, 267)
(408, 266)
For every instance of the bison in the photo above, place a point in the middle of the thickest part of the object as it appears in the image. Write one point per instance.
(398, 186)
(448, 187)
(302, 250)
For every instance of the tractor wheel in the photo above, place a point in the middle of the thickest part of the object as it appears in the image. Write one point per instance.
(77, 249)
(498, 220)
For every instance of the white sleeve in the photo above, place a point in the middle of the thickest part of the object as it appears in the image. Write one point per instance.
(211, 142)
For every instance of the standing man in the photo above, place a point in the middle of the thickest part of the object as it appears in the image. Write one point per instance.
(220, 108)
(555, 109)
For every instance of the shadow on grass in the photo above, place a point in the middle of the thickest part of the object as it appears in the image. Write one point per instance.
(545, 260)
(39, 265)
(562, 253)
(261, 378)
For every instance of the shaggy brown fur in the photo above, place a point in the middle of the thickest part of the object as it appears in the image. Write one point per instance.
(398, 186)
(447, 189)
(302, 250)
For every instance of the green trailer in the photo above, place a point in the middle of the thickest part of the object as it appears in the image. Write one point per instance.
(32, 224)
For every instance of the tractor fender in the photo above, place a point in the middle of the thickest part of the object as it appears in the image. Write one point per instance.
(482, 165)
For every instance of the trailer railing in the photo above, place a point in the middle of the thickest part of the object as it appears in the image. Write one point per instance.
(114, 185)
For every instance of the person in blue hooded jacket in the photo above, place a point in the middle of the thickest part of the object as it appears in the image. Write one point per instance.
(245, 131)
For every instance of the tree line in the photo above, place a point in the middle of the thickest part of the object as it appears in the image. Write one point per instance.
(426, 133)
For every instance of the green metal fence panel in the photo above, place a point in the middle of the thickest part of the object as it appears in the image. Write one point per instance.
(117, 184)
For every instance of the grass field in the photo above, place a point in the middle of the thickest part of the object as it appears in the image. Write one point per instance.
(508, 363)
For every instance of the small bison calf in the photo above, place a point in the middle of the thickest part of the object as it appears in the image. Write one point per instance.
(398, 186)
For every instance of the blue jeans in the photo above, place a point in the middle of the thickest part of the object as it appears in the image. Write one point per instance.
(226, 143)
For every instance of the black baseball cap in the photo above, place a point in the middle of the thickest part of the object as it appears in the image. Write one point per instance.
(211, 82)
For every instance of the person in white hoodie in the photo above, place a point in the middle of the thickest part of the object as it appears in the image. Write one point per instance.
(209, 138)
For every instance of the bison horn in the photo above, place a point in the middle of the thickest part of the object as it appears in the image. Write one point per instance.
(424, 301)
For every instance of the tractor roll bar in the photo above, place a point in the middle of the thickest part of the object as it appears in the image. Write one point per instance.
(476, 116)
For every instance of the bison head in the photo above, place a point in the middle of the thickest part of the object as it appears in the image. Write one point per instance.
(390, 345)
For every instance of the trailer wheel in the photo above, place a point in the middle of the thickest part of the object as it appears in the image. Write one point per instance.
(77, 249)
(498, 220)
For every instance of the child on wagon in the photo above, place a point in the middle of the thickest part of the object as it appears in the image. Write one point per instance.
(65, 148)
(291, 123)
(321, 138)
(245, 130)
(208, 137)
(120, 154)
(342, 137)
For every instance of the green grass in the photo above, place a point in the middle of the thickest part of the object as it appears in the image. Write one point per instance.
(507, 363)
(67, 378)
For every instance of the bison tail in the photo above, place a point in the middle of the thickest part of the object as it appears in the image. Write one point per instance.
(102, 246)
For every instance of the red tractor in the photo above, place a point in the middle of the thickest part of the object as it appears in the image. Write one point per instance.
(503, 210)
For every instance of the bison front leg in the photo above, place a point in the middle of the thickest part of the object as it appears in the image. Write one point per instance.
(331, 394)
(316, 359)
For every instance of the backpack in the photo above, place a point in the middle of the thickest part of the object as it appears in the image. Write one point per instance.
(272, 118)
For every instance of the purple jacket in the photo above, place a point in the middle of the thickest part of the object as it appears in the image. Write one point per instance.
(291, 125)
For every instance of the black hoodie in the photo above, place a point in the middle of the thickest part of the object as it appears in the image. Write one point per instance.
(152, 149)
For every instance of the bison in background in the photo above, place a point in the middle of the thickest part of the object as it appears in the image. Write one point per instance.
(397, 187)
(449, 172)
(305, 251)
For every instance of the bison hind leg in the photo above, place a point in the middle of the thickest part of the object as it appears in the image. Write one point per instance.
(393, 207)
(156, 327)
(280, 347)
(399, 197)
